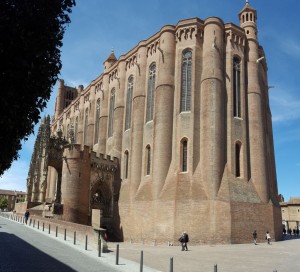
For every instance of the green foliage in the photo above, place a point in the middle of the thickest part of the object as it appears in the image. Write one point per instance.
(31, 34)
(3, 203)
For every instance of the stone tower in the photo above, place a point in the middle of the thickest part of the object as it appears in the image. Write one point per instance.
(174, 135)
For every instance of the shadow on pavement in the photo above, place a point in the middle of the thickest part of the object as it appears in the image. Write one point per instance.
(17, 255)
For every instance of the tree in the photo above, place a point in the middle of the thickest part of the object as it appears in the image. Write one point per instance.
(31, 34)
(3, 203)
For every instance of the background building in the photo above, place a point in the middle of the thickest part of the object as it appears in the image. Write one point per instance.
(174, 135)
(12, 197)
(291, 213)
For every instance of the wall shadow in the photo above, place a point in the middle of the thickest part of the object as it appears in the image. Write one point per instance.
(17, 255)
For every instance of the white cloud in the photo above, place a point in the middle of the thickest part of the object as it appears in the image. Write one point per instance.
(290, 47)
(285, 105)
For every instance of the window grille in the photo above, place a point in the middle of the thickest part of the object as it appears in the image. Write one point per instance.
(129, 103)
(111, 114)
(186, 78)
(236, 87)
(151, 89)
(97, 122)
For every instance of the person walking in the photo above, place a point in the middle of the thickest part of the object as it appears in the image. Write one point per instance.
(184, 239)
(268, 237)
(26, 216)
(254, 237)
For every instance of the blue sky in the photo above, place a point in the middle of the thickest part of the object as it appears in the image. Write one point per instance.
(98, 26)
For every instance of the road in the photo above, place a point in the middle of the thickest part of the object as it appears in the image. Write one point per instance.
(25, 249)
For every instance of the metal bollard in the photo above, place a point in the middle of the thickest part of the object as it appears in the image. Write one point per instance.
(171, 264)
(65, 236)
(33, 222)
(49, 229)
(117, 255)
(99, 248)
(216, 268)
(74, 237)
(56, 231)
(43, 226)
(142, 261)
(86, 242)
(38, 224)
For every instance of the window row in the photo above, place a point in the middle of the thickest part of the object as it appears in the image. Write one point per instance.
(185, 96)
(148, 159)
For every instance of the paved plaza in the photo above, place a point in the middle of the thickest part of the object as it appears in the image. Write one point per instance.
(23, 248)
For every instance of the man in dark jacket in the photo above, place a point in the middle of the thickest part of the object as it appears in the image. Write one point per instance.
(26, 215)
(184, 239)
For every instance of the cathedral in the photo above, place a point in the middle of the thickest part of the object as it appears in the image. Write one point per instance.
(175, 135)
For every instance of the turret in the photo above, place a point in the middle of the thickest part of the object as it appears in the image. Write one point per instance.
(256, 111)
(248, 17)
(110, 60)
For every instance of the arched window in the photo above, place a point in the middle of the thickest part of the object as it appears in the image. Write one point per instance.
(236, 87)
(148, 160)
(126, 161)
(151, 89)
(184, 154)
(237, 159)
(86, 118)
(129, 103)
(186, 78)
(97, 122)
(76, 129)
(111, 113)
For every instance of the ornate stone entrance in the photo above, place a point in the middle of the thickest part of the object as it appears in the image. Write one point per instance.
(103, 190)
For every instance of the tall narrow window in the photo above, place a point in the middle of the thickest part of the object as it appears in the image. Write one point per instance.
(97, 122)
(111, 114)
(86, 118)
(237, 160)
(126, 164)
(148, 159)
(76, 129)
(129, 103)
(186, 78)
(184, 153)
(236, 87)
(68, 132)
(151, 89)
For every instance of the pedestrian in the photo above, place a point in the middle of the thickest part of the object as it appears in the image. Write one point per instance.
(254, 237)
(184, 239)
(268, 237)
(284, 231)
(26, 215)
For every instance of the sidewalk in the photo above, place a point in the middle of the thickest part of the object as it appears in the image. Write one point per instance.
(281, 256)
